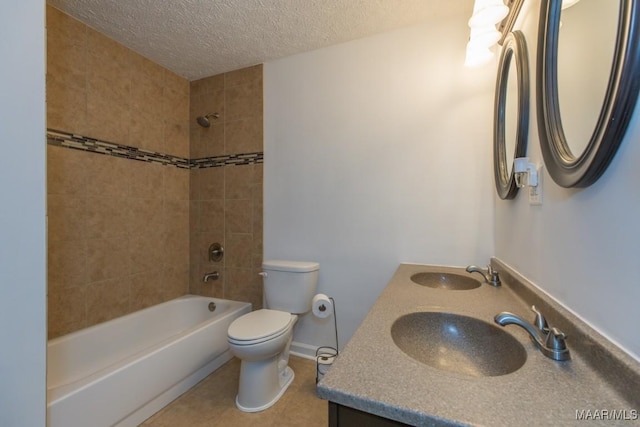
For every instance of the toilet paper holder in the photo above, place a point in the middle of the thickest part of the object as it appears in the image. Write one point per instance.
(326, 355)
(322, 306)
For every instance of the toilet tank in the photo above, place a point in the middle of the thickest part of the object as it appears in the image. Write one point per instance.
(290, 285)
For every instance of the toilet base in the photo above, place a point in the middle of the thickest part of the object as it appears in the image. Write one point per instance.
(285, 378)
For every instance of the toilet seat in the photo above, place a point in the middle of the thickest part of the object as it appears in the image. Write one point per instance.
(259, 326)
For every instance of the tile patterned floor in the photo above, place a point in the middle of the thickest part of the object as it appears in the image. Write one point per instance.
(212, 402)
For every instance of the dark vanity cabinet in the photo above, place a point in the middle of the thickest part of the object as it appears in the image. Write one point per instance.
(344, 416)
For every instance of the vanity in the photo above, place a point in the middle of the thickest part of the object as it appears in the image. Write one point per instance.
(429, 352)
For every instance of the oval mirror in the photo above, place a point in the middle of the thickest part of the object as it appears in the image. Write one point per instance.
(511, 112)
(586, 90)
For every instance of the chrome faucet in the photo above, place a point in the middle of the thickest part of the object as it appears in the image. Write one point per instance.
(491, 276)
(550, 341)
(211, 276)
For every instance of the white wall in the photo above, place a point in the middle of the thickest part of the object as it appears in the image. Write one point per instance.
(22, 215)
(581, 246)
(377, 152)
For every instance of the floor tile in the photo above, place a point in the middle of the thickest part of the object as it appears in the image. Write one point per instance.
(212, 402)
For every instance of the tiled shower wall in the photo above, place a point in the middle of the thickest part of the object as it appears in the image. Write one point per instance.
(120, 229)
(226, 202)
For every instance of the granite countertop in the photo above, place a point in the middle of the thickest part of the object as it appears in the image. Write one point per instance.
(373, 375)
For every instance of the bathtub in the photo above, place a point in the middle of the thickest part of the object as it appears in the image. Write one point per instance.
(123, 371)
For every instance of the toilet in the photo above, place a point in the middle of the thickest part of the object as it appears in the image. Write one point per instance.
(261, 339)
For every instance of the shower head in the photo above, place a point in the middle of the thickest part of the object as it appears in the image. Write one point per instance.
(204, 120)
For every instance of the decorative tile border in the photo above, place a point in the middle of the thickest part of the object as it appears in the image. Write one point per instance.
(227, 160)
(78, 142)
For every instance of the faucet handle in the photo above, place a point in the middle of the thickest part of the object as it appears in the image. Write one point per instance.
(494, 277)
(540, 321)
(556, 340)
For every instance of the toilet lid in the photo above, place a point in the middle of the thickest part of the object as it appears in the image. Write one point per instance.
(259, 324)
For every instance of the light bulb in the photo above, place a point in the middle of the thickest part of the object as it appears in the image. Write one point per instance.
(477, 55)
(486, 36)
(487, 12)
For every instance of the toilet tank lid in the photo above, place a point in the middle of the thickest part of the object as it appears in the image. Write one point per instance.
(295, 266)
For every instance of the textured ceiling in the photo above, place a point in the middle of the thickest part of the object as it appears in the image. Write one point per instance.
(200, 38)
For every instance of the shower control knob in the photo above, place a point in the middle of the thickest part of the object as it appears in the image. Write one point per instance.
(216, 252)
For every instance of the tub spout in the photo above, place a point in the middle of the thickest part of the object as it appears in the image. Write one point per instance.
(211, 276)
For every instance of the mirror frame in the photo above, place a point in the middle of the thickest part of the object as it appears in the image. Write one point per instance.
(514, 46)
(583, 169)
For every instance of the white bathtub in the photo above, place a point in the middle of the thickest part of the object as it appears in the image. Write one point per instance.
(123, 371)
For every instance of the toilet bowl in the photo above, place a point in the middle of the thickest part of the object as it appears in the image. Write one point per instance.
(261, 339)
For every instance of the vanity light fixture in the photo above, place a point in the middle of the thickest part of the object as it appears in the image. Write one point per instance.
(525, 172)
(484, 35)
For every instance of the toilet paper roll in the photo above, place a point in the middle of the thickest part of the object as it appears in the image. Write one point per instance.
(321, 306)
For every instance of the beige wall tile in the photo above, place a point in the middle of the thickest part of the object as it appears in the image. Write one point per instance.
(240, 287)
(175, 281)
(108, 259)
(145, 289)
(66, 217)
(176, 138)
(108, 88)
(145, 216)
(66, 264)
(147, 85)
(194, 218)
(113, 219)
(123, 234)
(210, 141)
(238, 181)
(176, 245)
(175, 183)
(243, 101)
(243, 76)
(212, 288)
(213, 102)
(176, 97)
(244, 136)
(66, 107)
(257, 227)
(208, 84)
(107, 217)
(66, 49)
(195, 280)
(67, 308)
(109, 176)
(211, 215)
(176, 229)
(146, 131)
(208, 183)
(107, 300)
(259, 175)
(146, 251)
(109, 60)
(107, 119)
(239, 250)
(240, 187)
(237, 216)
(66, 171)
(146, 181)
